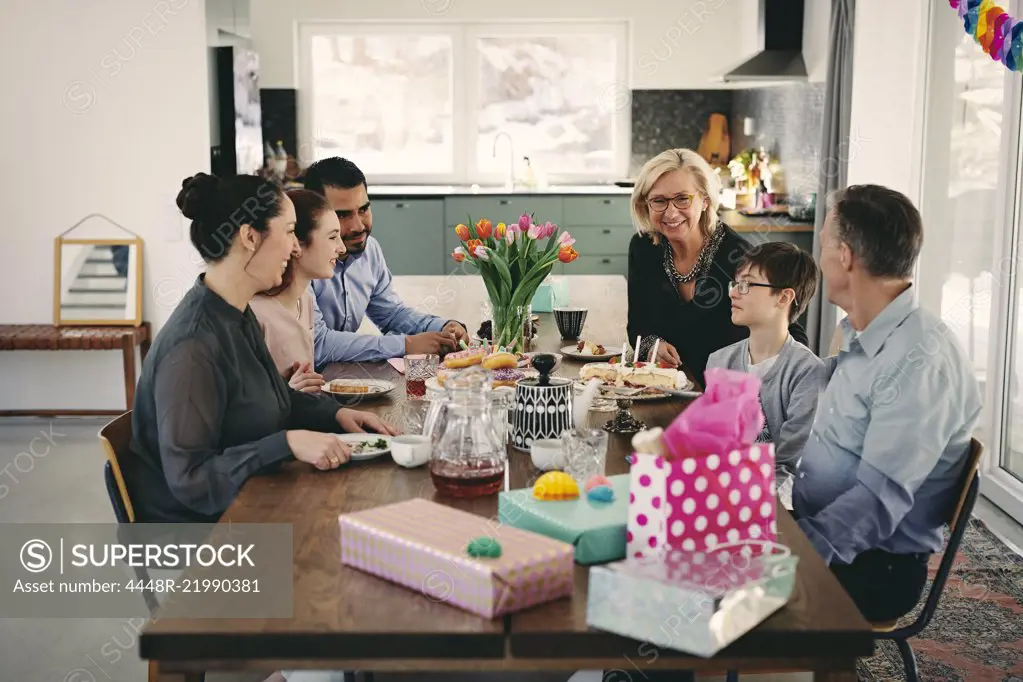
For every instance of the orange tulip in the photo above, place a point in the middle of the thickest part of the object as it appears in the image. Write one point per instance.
(484, 228)
(500, 231)
(566, 254)
(458, 254)
(471, 245)
(462, 231)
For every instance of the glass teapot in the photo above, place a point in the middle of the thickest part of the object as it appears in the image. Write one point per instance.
(469, 456)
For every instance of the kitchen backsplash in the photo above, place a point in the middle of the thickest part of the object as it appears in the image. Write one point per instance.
(665, 119)
(787, 122)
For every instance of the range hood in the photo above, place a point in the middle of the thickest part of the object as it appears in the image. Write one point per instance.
(780, 28)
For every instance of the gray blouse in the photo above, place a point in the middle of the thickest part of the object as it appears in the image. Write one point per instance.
(210, 411)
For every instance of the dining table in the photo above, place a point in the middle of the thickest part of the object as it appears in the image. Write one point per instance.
(345, 619)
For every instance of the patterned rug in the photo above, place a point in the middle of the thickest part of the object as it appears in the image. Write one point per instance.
(976, 634)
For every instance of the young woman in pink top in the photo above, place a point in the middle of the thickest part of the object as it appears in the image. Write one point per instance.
(286, 312)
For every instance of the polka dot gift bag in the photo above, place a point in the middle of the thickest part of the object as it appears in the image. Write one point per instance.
(704, 481)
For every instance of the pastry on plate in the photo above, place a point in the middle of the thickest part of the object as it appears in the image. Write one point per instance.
(342, 387)
(464, 358)
(590, 348)
(500, 360)
(506, 377)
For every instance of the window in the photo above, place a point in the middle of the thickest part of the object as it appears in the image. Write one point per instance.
(969, 264)
(385, 100)
(462, 103)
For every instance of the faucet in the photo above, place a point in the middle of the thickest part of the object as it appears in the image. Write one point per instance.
(511, 157)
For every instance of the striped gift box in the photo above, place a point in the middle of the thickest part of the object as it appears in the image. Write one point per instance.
(423, 545)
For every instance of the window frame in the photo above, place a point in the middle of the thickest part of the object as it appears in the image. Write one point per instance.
(465, 94)
(997, 484)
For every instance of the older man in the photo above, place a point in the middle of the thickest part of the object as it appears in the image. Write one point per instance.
(891, 436)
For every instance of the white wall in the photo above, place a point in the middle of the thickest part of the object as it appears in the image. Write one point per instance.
(111, 114)
(673, 45)
(885, 132)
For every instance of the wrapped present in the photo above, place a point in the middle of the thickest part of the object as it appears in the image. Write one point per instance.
(704, 481)
(457, 557)
(589, 522)
(693, 602)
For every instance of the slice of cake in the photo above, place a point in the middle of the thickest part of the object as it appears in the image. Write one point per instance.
(590, 348)
(599, 370)
(646, 375)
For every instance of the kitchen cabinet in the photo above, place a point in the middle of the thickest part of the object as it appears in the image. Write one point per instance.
(417, 231)
(409, 233)
(598, 211)
(602, 227)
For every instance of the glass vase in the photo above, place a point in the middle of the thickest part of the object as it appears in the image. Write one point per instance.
(512, 327)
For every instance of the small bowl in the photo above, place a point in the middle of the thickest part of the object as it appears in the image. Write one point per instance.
(411, 450)
(548, 454)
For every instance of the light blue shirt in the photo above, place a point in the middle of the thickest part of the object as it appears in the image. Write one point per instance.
(360, 287)
(890, 439)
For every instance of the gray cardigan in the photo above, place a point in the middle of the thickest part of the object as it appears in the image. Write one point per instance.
(788, 394)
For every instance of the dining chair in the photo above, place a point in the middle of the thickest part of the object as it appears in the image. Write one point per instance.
(116, 440)
(957, 522)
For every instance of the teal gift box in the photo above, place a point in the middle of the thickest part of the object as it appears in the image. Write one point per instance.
(596, 529)
(552, 293)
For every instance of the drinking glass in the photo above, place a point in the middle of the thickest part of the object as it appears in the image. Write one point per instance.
(419, 368)
(585, 453)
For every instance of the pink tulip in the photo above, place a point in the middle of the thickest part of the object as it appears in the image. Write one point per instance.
(534, 231)
(525, 222)
(547, 230)
(481, 253)
(509, 236)
(566, 239)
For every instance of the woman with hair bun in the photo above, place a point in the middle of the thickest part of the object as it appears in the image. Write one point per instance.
(285, 312)
(211, 408)
(681, 262)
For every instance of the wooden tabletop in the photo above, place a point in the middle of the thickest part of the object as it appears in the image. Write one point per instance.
(343, 617)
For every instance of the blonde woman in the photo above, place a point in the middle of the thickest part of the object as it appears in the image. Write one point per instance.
(681, 262)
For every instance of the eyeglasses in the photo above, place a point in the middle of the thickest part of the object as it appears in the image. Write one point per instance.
(743, 286)
(679, 201)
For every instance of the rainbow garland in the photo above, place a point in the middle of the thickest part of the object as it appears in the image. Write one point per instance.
(1000, 35)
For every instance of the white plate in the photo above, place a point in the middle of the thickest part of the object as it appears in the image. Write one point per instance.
(356, 438)
(377, 387)
(571, 352)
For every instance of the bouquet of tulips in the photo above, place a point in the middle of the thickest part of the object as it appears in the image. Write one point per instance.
(512, 260)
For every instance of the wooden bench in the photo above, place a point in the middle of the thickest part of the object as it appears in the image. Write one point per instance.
(50, 337)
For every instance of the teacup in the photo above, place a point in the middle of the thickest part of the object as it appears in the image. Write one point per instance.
(548, 454)
(410, 450)
(570, 321)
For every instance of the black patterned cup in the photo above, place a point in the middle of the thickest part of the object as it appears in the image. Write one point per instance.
(570, 322)
(542, 411)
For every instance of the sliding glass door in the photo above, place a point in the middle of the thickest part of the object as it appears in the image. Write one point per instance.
(971, 208)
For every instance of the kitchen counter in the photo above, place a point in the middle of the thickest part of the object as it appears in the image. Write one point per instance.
(429, 191)
(778, 223)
